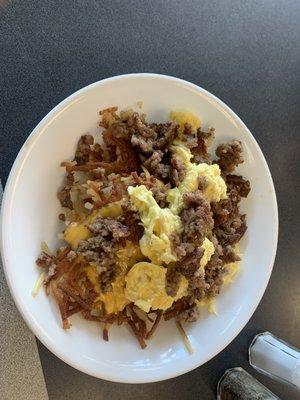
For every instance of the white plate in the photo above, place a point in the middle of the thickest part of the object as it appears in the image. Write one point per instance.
(29, 216)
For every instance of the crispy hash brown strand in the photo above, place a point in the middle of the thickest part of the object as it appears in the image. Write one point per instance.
(132, 152)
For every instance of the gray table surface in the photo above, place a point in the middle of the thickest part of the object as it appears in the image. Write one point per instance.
(21, 374)
(245, 52)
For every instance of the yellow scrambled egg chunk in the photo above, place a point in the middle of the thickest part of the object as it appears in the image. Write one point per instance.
(185, 117)
(77, 231)
(231, 270)
(159, 224)
(216, 186)
(209, 250)
(145, 287)
(209, 303)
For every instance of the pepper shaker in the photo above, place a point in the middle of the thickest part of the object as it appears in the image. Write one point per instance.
(237, 384)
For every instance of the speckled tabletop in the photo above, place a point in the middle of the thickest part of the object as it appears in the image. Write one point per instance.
(21, 375)
(245, 52)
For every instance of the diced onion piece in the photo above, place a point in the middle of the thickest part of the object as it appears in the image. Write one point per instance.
(45, 248)
(38, 284)
(147, 173)
(186, 340)
(88, 206)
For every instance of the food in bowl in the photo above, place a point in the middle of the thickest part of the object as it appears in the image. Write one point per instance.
(151, 223)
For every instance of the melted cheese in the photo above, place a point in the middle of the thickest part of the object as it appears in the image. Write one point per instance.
(128, 256)
(75, 232)
(92, 274)
(115, 300)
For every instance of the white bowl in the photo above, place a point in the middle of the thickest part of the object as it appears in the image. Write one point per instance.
(29, 216)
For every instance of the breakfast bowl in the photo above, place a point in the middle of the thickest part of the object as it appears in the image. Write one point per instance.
(29, 216)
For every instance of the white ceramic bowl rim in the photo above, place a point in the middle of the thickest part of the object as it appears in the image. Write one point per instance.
(8, 196)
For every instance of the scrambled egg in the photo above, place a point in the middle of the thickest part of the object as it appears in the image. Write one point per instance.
(145, 286)
(216, 186)
(185, 117)
(145, 283)
(159, 224)
(75, 232)
(209, 250)
(232, 268)
(209, 303)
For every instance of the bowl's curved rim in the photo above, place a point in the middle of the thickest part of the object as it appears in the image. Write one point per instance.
(8, 195)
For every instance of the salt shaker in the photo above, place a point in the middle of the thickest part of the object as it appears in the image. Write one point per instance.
(275, 358)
